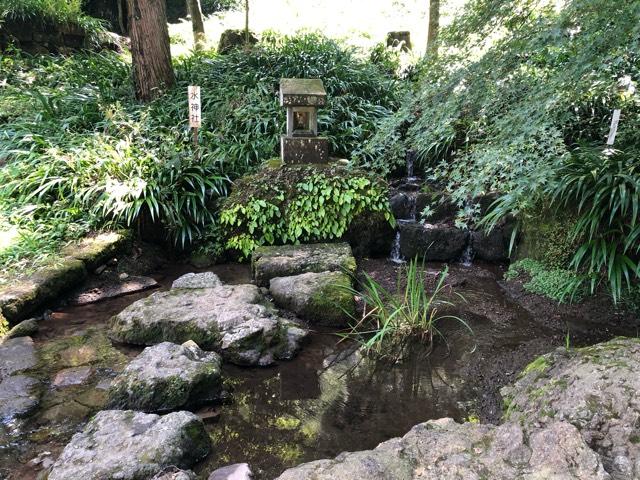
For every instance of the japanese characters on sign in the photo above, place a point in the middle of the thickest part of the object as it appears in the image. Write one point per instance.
(195, 117)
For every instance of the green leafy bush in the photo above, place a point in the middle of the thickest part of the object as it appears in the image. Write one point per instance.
(558, 284)
(72, 135)
(49, 11)
(519, 88)
(303, 203)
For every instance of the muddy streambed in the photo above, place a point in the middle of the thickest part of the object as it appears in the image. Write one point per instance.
(328, 399)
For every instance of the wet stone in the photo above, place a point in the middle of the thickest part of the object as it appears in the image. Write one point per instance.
(19, 397)
(131, 445)
(129, 285)
(168, 376)
(174, 473)
(433, 243)
(238, 471)
(72, 376)
(16, 355)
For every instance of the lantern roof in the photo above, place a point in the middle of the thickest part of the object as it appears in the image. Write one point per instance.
(302, 92)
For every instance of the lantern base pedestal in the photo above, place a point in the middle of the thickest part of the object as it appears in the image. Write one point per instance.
(304, 149)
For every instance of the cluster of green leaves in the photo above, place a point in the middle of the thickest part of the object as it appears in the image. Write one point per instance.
(80, 153)
(558, 284)
(392, 321)
(48, 11)
(293, 204)
(518, 90)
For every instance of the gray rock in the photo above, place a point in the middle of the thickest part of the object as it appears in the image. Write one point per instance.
(320, 298)
(197, 280)
(593, 388)
(131, 445)
(174, 473)
(232, 39)
(434, 243)
(19, 396)
(238, 471)
(17, 355)
(131, 284)
(26, 328)
(443, 449)
(493, 246)
(287, 260)
(442, 208)
(72, 376)
(400, 205)
(168, 376)
(234, 320)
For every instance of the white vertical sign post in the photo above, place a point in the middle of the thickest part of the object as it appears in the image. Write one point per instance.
(195, 113)
(614, 127)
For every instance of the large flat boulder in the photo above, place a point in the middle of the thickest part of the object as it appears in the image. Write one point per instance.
(127, 445)
(166, 377)
(287, 260)
(443, 449)
(320, 298)
(596, 389)
(233, 320)
(433, 243)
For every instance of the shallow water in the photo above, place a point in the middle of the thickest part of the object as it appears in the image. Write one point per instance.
(327, 400)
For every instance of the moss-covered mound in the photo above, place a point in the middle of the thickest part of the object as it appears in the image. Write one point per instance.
(300, 204)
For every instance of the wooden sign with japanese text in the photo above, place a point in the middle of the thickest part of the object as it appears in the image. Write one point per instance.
(615, 120)
(195, 111)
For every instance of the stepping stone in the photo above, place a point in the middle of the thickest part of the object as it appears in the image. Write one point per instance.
(72, 376)
(131, 445)
(233, 320)
(19, 394)
(16, 355)
(284, 261)
(238, 471)
(168, 376)
(197, 280)
(19, 397)
(126, 287)
(320, 298)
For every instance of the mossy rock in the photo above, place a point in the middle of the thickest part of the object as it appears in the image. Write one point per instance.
(320, 298)
(288, 260)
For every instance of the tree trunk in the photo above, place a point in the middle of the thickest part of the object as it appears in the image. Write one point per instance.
(434, 26)
(150, 51)
(193, 7)
(246, 22)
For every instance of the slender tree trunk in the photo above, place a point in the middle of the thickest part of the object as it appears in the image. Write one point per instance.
(150, 51)
(434, 26)
(121, 13)
(193, 7)
(246, 22)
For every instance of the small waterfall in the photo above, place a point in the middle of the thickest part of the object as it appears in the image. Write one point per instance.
(467, 256)
(410, 160)
(411, 191)
(413, 197)
(396, 256)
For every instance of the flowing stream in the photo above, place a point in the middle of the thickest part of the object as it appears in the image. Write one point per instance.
(328, 399)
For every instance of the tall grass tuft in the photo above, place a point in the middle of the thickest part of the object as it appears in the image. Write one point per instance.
(391, 322)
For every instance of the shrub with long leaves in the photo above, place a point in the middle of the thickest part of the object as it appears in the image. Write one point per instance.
(392, 322)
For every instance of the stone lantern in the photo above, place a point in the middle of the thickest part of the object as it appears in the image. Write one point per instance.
(301, 144)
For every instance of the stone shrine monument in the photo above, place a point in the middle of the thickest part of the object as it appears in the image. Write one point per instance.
(301, 144)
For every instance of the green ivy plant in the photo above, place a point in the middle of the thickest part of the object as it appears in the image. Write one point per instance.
(296, 204)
